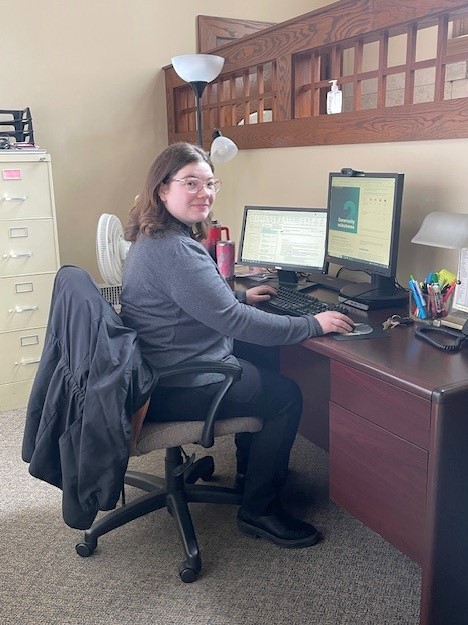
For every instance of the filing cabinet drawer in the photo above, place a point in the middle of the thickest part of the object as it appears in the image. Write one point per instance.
(25, 190)
(27, 247)
(380, 479)
(25, 301)
(15, 395)
(393, 409)
(21, 352)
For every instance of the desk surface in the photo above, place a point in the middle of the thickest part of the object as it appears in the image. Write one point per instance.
(402, 358)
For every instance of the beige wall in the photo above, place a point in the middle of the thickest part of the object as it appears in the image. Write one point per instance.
(435, 179)
(91, 72)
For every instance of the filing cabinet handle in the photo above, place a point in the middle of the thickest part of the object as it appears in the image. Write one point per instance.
(27, 361)
(20, 309)
(17, 255)
(13, 198)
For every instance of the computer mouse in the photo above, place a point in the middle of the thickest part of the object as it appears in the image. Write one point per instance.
(361, 328)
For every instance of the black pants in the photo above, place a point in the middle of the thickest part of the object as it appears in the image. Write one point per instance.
(261, 392)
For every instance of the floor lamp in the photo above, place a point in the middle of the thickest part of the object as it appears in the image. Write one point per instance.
(198, 70)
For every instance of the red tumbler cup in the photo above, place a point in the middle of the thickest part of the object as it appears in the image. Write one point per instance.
(225, 258)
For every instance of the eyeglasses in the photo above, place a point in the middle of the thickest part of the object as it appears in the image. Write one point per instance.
(195, 185)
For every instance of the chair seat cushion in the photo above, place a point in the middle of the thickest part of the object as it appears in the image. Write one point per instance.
(174, 433)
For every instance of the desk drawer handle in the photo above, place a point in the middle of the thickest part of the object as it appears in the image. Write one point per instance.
(17, 255)
(28, 361)
(15, 198)
(20, 309)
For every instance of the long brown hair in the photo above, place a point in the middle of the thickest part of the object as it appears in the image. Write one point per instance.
(149, 215)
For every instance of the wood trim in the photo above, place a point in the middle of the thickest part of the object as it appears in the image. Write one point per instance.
(300, 54)
(213, 32)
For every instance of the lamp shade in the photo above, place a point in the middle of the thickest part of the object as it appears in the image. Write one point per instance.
(223, 149)
(198, 67)
(447, 230)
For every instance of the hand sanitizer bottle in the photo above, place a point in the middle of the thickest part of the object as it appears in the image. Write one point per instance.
(334, 98)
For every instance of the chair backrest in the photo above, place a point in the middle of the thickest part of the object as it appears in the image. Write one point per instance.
(90, 381)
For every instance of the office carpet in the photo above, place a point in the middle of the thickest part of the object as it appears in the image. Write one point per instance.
(353, 577)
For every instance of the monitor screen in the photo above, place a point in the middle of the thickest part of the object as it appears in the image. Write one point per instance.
(363, 230)
(289, 240)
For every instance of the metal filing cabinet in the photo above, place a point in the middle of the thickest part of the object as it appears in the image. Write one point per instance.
(29, 259)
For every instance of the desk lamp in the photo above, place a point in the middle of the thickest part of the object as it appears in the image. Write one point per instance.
(447, 230)
(198, 70)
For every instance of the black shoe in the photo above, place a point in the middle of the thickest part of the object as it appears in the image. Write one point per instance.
(279, 528)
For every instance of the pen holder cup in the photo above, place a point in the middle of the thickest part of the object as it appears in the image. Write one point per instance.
(431, 312)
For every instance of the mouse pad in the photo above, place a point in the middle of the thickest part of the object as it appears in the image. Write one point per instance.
(362, 331)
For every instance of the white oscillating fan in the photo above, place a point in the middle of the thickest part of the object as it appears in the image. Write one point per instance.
(111, 252)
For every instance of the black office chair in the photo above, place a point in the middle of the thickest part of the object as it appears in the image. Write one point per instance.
(175, 491)
(177, 488)
(91, 387)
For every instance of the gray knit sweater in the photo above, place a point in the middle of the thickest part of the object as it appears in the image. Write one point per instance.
(183, 310)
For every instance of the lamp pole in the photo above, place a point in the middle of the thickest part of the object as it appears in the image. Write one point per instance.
(198, 70)
(198, 87)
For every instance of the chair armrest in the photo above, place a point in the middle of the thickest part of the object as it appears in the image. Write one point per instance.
(231, 373)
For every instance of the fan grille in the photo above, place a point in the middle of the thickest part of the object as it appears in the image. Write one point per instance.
(112, 295)
(111, 249)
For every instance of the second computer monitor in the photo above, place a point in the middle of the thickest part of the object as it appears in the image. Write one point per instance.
(363, 233)
(290, 240)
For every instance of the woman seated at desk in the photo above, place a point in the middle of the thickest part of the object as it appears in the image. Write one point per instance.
(183, 311)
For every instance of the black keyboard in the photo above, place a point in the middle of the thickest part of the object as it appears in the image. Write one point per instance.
(291, 302)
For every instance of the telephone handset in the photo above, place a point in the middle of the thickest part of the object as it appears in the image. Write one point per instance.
(435, 336)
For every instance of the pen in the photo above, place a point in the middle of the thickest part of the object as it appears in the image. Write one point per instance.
(448, 292)
(431, 300)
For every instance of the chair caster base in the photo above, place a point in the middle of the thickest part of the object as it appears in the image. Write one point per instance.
(85, 550)
(187, 573)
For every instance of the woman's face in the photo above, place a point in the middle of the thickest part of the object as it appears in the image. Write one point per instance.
(186, 206)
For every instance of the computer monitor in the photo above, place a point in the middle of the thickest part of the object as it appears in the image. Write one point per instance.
(290, 240)
(364, 211)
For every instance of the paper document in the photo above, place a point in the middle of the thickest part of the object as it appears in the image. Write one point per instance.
(460, 296)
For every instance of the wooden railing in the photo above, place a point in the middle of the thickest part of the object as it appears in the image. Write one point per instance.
(394, 60)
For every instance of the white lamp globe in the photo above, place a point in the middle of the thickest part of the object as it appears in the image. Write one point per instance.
(198, 67)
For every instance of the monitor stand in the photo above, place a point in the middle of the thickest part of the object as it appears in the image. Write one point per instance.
(381, 292)
(290, 280)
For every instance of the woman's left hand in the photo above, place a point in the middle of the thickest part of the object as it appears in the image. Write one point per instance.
(260, 293)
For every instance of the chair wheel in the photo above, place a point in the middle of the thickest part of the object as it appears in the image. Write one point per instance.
(187, 574)
(84, 550)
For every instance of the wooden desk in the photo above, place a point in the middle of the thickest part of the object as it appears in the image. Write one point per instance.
(393, 413)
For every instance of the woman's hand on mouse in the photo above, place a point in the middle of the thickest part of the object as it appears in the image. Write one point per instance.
(261, 293)
(334, 321)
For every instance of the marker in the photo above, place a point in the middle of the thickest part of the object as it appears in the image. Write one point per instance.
(439, 302)
(418, 297)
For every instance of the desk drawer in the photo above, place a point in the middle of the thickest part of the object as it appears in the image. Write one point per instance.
(393, 409)
(380, 479)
